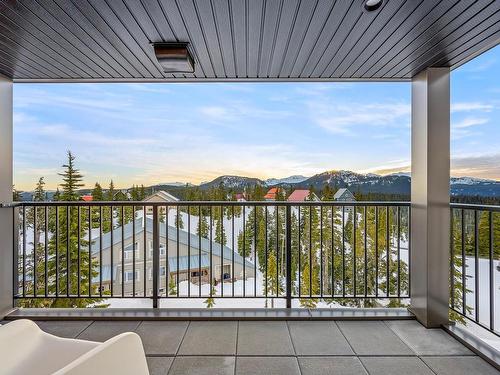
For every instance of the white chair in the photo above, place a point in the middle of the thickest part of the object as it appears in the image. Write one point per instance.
(26, 349)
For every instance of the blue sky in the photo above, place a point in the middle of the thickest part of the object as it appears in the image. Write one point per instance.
(154, 133)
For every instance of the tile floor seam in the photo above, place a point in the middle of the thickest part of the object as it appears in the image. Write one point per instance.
(236, 349)
(348, 343)
(79, 333)
(90, 325)
(170, 366)
(399, 338)
(472, 354)
(426, 365)
(293, 346)
(345, 337)
(182, 340)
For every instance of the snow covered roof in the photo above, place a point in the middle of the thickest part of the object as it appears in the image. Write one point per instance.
(343, 192)
(161, 196)
(194, 240)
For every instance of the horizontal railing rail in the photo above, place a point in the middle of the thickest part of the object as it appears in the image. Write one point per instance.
(75, 253)
(475, 264)
(206, 203)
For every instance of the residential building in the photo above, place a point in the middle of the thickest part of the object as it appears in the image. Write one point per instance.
(240, 197)
(301, 195)
(272, 194)
(344, 195)
(179, 260)
(159, 197)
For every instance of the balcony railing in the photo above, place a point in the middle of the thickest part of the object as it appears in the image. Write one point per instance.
(350, 253)
(475, 264)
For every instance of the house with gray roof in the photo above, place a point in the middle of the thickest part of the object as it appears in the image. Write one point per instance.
(344, 195)
(183, 256)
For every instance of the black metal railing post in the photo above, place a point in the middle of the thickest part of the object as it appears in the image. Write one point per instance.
(288, 257)
(156, 254)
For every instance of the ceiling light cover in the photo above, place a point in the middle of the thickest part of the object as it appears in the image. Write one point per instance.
(174, 57)
(373, 5)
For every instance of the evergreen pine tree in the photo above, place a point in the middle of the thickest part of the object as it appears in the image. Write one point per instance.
(63, 253)
(16, 194)
(110, 194)
(97, 194)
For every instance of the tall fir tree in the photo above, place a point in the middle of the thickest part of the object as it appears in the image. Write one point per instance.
(68, 249)
(110, 194)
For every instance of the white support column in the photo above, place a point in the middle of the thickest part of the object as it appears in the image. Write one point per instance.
(6, 165)
(430, 196)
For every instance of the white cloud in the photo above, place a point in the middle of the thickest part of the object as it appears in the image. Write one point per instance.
(239, 112)
(341, 118)
(471, 106)
(469, 122)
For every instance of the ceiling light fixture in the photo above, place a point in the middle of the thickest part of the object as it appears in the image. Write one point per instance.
(373, 5)
(174, 57)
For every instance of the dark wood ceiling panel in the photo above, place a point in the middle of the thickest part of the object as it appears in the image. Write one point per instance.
(206, 18)
(122, 52)
(87, 35)
(65, 39)
(417, 21)
(179, 21)
(13, 65)
(455, 27)
(460, 37)
(269, 34)
(28, 40)
(385, 24)
(225, 34)
(299, 31)
(367, 27)
(238, 19)
(255, 10)
(30, 57)
(105, 40)
(289, 12)
(129, 21)
(318, 23)
(468, 54)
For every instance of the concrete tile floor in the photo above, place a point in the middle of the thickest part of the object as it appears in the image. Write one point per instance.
(279, 347)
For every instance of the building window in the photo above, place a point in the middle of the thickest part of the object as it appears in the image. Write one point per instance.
(129, 254)
(129, 275)
(163, 249)
(163, 272)
(198, 273)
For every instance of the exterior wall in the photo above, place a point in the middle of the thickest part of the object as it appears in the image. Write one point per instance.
(6, 216)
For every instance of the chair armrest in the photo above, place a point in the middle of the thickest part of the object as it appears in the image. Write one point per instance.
(122, 354)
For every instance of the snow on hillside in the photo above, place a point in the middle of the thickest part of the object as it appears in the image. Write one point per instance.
(469, 181)
(286, 180)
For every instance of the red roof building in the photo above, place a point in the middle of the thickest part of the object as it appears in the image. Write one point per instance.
(87, 198)
(271, 194)
(301, 196)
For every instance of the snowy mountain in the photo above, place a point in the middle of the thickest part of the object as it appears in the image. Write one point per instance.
(233, 182)
(286, 180)
(396, 183)
(364, 183)
(178, 184)
(471, 181)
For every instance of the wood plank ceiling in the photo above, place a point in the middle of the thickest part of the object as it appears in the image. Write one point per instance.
(45, 40)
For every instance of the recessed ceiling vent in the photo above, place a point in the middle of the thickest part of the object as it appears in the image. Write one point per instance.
(372, 5)
(174, 57)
